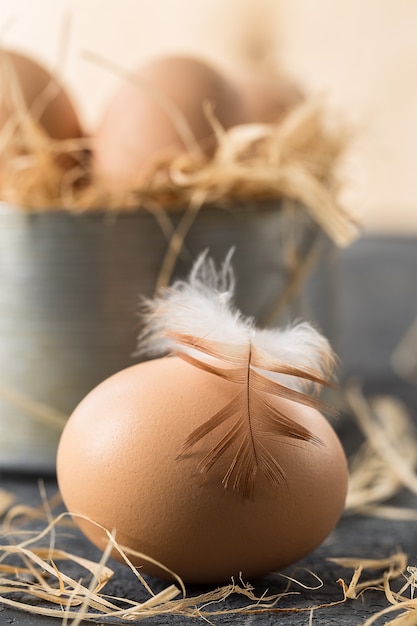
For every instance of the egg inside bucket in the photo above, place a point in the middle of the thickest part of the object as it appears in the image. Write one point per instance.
(34, 107)
(160, 111)
(212, 461)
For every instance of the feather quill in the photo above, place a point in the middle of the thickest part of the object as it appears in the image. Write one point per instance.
(196, 320)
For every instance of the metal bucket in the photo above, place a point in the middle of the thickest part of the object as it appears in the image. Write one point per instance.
(70, 286)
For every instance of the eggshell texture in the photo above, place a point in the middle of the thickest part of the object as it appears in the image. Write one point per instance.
(56, 115)
(117, 464)
(138, 124)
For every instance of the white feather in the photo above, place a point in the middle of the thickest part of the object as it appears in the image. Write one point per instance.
(203, 307)
(197, 320)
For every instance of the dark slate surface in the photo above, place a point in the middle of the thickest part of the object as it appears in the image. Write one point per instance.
(377, 302)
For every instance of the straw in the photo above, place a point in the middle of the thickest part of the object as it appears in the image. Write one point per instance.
(297, 158)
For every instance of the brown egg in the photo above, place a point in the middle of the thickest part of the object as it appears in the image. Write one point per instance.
(160, 112)
(268, 97)
(118, 465)
(41, 92)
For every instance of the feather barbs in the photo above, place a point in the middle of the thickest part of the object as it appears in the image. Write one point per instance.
(196, 321)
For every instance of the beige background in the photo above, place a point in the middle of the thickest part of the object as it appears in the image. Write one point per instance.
(361, 56)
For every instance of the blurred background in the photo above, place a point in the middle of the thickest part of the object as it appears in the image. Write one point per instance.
(361, 58)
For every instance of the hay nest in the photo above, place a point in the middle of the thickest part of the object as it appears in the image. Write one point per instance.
(295, 159)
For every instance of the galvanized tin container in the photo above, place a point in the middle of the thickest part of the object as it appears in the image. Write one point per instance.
(70, 286)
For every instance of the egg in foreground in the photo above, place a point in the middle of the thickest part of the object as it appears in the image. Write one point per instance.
(118, 465)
